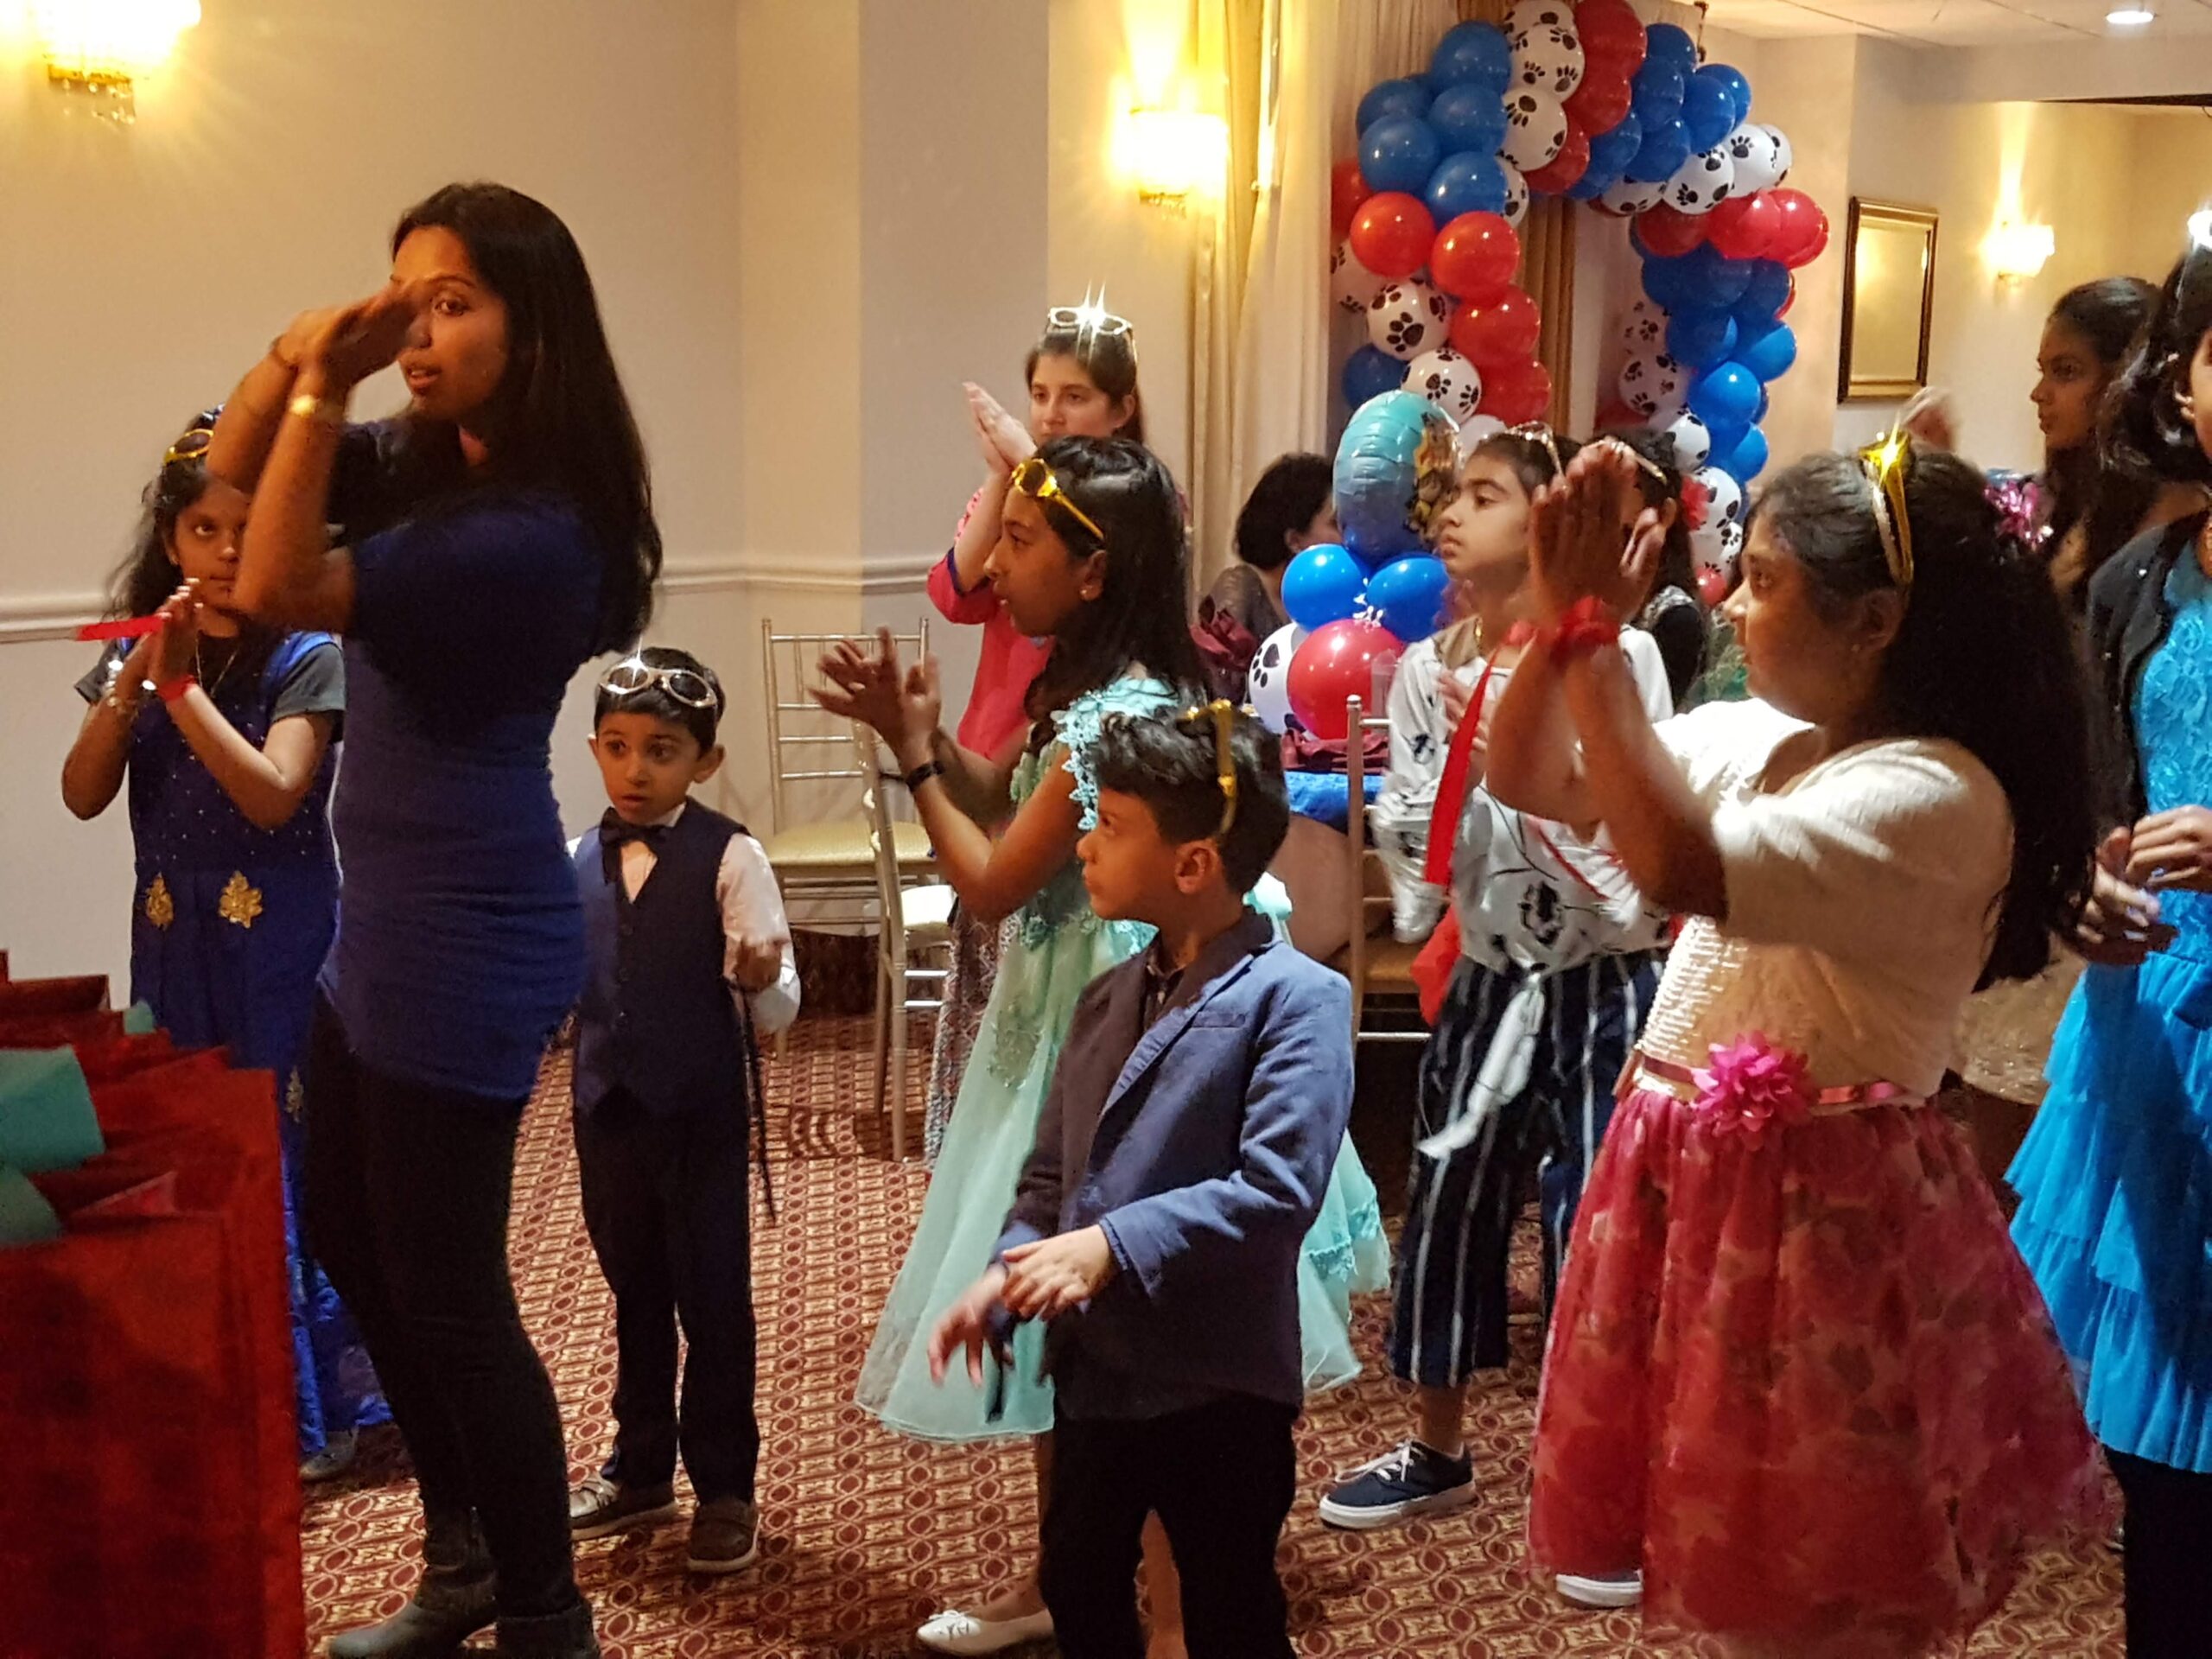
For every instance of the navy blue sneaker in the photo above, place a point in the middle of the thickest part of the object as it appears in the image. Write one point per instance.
(1412, 1479)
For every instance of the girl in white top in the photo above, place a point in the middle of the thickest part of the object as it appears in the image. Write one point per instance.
(1798, 1374)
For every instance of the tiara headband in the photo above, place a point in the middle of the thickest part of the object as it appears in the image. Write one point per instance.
(1884, 465)
(1224, 715)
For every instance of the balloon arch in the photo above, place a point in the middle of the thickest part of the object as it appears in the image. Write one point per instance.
(1565, 100)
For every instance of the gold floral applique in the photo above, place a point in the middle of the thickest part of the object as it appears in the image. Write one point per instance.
(295, 1098)
(239, 902)
(160, 909)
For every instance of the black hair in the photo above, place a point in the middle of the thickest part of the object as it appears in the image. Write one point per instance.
(1109, 360)
(1283, 503)
(2148, 428)
(1982, 658)
(1658, 484)
(655, 700)
(150, 573)
(1138, 617)
(559, 421)
(1528, 454)
(1171, 764)
(2092, 486)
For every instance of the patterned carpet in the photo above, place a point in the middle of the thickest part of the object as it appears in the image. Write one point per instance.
(864, 1535)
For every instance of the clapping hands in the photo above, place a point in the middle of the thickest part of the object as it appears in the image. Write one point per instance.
(902, 704)
(1576, 547)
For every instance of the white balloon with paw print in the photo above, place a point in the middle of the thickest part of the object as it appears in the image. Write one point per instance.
(1446, 379)
(1724, 497)
(1692, 442)
(1652, 382)
(1536, 128)
(1267, 688)
(1407, 318)
(1353, 286)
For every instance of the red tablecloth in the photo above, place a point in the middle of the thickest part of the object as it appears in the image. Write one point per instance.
(151, 1505)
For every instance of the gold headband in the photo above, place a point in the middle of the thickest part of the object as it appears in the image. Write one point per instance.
(1883, 466)
(1538, 432)
(1224, 715)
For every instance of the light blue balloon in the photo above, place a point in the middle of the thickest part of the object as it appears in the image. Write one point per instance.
(1472, 54)
(1409, 593)
(1378, 474)
(1469, 182)
(1769, 353)
(1400, 97)
(1323, 585)
(1398, 153)
(1468, 116)
(1368, 372)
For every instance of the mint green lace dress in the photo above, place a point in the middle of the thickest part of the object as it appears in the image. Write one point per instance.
(1055, 948)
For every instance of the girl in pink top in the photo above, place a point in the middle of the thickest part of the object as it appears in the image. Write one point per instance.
(1082, 375)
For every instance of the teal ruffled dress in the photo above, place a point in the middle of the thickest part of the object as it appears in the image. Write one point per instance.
(1054, 949)
(2116, 1177)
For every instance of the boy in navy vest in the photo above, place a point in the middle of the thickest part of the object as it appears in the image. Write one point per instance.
(689, 953)
(1197, 1110)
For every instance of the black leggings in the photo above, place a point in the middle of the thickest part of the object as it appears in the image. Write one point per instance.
(407, 1194)
(2167, 1555)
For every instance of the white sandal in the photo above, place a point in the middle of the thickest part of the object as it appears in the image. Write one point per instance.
(953, 1631)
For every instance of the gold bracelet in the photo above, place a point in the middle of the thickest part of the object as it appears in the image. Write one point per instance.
(324, 411)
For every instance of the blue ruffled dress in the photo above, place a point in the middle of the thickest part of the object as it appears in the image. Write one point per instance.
(2115, 1178)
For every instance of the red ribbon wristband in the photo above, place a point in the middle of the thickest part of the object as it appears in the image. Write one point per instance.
(171, 691)
(1588, 625)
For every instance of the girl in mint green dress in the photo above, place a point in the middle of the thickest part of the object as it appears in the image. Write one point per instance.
(1091, 555)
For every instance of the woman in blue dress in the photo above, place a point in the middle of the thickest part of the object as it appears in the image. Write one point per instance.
(493, 538)
(2116, 1177)
(224, 732)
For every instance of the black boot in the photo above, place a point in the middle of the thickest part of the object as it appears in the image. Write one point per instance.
(550, 1636)
(457, 1597)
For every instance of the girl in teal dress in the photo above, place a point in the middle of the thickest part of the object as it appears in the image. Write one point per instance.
(1091, 554)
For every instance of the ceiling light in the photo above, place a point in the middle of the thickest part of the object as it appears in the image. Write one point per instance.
(2129, 16)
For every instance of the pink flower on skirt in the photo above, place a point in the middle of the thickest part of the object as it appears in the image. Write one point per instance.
(1753, 1083)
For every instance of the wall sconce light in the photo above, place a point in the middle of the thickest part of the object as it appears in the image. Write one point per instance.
(99, 49)
(2017, 252)
(1173, 155)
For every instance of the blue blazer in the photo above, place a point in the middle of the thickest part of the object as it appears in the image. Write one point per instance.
(1202, 1146)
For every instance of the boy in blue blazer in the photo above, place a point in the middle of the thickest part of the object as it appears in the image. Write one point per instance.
(1183, 1153)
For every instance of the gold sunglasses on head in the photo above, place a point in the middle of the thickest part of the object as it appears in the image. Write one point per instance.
(1088, 320)
(193, 446)
(1033, 478)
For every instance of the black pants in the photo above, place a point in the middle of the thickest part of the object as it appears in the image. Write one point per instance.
(1220, 1477)
(666, 1202)
(407, 1195)
(2167, 1555)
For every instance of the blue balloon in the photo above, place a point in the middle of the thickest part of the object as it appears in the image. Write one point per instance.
(1469, 182)
(1370, 372)
(1726, 440)
(1657, 92)
(1472, 54)
(1766, 290)
(1668, 43)
(1666, 146)
(1721, 280)
(1698, 340)
(1748, 458)
(1379, 472)
(1758, 415)
(1708, 110)
(1468, 116)
(1768, 354)
(1400, 97)
(1398, 153)
(1740, 89)
(1673, 283)
(1409, 593)
(1612, 152)
(1323, 585)
(1724, 396)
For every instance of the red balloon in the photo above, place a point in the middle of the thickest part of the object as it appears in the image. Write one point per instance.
(1611, 33)
(1565, 170)
(1712, 583)
(1742, 227)
(1801, 232)
(1813, 249)
(1497, 334)
(1391, 234)
(1474, 257)
(1614, 415)
(1667, 233)
(1347, 189)
(1782, 310)
(1334, 663)
(1520, 392)
(1604, 97)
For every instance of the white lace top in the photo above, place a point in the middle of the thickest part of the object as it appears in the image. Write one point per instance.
(1860, 900)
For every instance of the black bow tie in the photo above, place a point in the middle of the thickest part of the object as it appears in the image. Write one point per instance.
(615, 830)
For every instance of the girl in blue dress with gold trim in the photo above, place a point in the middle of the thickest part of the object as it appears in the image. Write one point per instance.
(224, 732)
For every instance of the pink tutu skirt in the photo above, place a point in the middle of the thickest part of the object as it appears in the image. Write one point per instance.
(1804, 1382)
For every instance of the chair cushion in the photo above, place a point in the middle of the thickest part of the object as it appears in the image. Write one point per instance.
(928, 907)
(841, 843)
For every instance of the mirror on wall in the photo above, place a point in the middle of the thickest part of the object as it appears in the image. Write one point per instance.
(1889, 289)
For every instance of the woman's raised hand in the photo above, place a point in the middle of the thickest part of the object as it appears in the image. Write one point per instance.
(1006, 442)
(902, 704)
(354, 341)
(1576, 547)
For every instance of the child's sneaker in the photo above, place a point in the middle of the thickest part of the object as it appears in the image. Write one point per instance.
(1412, 1480)
(1601, 1589)
(599, 1506)
(725, 1535)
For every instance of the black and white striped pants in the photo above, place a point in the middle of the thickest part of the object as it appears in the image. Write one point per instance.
(1450, 1315)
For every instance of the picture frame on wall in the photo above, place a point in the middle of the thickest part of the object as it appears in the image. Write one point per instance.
(1889, 298)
